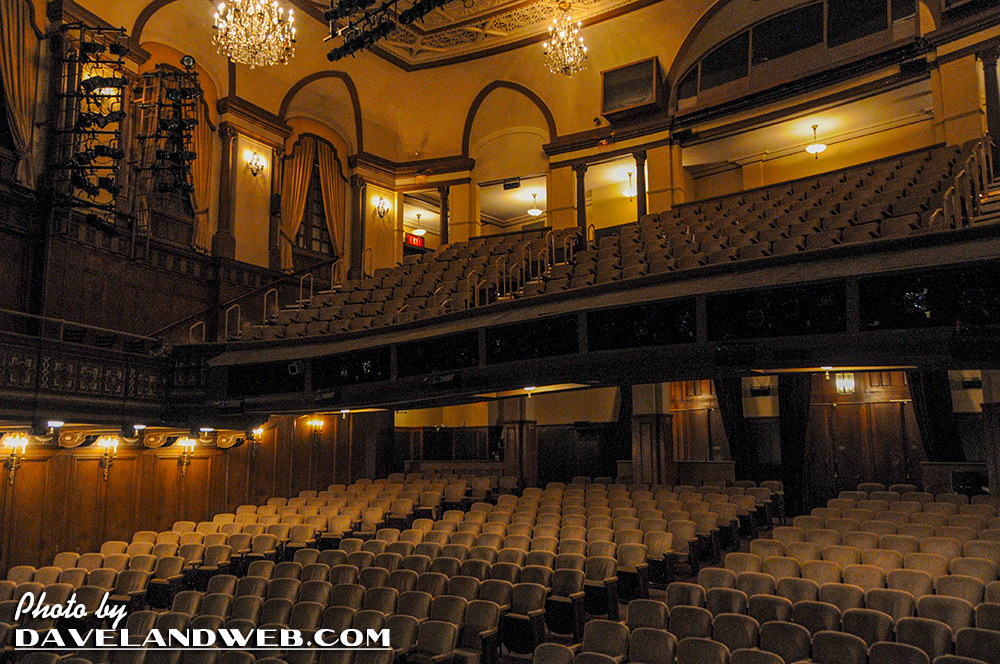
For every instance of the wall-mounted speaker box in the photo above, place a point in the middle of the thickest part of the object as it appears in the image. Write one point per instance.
(632, 90)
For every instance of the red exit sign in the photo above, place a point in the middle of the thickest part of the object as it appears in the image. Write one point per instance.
(414, 240)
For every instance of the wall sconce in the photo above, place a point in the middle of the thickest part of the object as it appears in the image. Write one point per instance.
(381, 207)
(344, 413)
(187, 451)
(253, 437)
(845, 383)
(110, 447)
(315, 424)
(530, 389)
(13, 462)
(255, 163)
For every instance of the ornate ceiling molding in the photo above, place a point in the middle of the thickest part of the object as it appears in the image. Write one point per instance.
(465, 30)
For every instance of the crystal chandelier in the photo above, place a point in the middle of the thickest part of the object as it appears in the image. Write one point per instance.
(254, 32)
(564, 51)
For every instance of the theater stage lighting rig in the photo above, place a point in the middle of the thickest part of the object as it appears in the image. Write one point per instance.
(360, 24)
(93, 95)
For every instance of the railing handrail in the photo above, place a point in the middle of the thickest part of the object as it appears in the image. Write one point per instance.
(200, 325)
(302, 281)
(63, 321)
(221, 305)
(239, 319)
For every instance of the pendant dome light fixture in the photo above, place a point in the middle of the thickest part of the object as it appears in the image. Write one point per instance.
(815, 147)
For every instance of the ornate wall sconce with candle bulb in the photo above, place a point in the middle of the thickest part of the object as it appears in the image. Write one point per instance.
(13, 442)
(187, 452)
(253, 437)
(255, 163)
(110, 446)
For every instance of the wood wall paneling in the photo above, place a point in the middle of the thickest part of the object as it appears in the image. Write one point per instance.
(60, 501)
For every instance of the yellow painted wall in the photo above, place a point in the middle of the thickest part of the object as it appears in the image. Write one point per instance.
(718, 184)
(610, 207)
(465, 415)
(252, 204)
(383, 235)
(597, 405)
(850, 153)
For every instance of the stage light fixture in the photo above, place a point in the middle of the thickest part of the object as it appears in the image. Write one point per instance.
(88, 49)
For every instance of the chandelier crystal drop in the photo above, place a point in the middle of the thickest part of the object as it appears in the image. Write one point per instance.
(254, 32)
(565, 52)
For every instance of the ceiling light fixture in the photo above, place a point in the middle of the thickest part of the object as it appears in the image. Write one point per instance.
(565, 52)
(534, 210)
(630, 192)
(815, 147)
(418, 231)
(254, 33)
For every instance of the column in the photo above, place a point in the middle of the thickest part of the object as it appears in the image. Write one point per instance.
(991, 426)
(581, 199)
(640, 183)
(679, 178)
(958, 113)
(358, 189)
(520, 439)
(652, 437)
(443, 192)
(560, 198)
(992, 89)
(463, 212)
(659, 186)
(224, 241)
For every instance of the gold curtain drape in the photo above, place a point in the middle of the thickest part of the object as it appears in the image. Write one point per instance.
(19, 72)
(201, 179)
(334, 190)
(294, 189)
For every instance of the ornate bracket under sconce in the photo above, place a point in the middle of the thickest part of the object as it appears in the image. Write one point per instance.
(256, 164)
(187, 452)
(110, 446)
(13, 441)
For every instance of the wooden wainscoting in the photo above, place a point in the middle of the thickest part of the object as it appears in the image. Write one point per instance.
(61, 502)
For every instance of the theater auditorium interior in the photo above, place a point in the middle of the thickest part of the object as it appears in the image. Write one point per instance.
(616, 331)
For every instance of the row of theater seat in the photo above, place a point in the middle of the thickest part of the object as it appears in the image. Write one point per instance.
(438, 582)
(739, 639)
(849, 613)
(890, 198)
